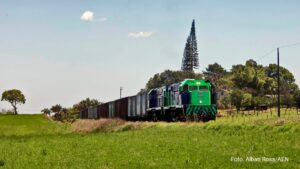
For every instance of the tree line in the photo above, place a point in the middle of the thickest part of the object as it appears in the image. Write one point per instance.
(245, 86)
(60, 113)
(15, 97)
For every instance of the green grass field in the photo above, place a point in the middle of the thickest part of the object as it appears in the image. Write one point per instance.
(33, 141)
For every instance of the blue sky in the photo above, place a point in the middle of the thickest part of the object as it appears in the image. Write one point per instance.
(55, 56)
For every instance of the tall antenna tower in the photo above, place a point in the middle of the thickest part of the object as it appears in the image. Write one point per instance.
(190, 59)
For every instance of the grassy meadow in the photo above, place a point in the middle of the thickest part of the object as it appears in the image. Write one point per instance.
(33, 141)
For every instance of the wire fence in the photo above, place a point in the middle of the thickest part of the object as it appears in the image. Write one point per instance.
(260, 116)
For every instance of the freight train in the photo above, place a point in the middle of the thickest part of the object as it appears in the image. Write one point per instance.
(187, 100)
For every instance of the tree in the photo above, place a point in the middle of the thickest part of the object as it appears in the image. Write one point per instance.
(65, 114)
(225, 100)
(46, 111)
(86, 103)
(236, 98)
(169, 77)
(214, 73)
(287, 100)
(297, 99)
(14, 97)
(285, 74)
(57, 109)
(247, 100)
(287, 80)
(190, 56)
(216, 69)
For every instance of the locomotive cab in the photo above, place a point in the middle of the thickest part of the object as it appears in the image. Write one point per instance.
(195, 92)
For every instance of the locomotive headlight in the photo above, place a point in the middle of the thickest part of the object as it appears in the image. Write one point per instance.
(200, 101)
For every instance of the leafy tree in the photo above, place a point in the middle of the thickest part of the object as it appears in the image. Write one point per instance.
(46, 111)
(71, 114)
(297, 99)
(287, 80)
(86, 103)
(61, 113)
(247, 100)
(14, 97)
(57, 109)
(287, 100)
(251, 63)
(154, 82)
(258, 101)
(285, 74)
(237, 97)
(238, 76)
(190, 55)
(65, 114)
(225, 101)
(216, 69)
(169, 77)
(251, 76)
(215, 72)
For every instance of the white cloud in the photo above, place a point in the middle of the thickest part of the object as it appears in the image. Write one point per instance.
(140, 34)
(87, 16)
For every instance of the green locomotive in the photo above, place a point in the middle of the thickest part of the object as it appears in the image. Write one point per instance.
(188, 100)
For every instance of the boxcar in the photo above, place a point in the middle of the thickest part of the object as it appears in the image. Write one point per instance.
(103, 110)
(111, 109)
(92, 113)
(120, 108)
(123, 111)
(138, 105)
(144, 105)
(131, 108)
(83, 114)
(141, 104)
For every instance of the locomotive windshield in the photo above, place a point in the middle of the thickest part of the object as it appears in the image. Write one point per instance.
(193, 88)
(203, 88)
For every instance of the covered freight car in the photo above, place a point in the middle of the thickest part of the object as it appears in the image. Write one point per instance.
(121, 110)
(92, 113)
(141, 105)
(131, 107)
(125, 108)
(103, 110)
(83, 114)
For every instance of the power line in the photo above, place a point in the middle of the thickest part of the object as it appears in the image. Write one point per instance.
(284, 46)
(267, 54)
(293, 44)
